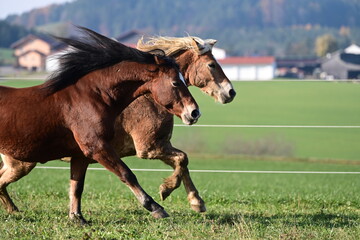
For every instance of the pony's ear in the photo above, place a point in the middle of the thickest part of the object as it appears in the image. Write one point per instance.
(157, 52)
(204, 45)
(200, 43)
(158, 60)
(210, 41)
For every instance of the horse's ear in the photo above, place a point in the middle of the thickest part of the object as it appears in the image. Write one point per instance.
(210, 41)
(200, 43)
(158, 60)
(158, 52)
(204, 45)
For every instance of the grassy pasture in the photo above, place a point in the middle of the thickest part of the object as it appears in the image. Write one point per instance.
(280, 103)
(240, 205)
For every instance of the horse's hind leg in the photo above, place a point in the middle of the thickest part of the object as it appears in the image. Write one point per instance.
(77, 178)
(11, 171)
(178, 160)
(196, 202)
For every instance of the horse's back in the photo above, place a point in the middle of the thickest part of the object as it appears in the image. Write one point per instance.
(7, 100)
(20, 97)
(4, 92)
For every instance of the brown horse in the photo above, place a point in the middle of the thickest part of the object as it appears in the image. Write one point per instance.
(144, 128)
(73, 113)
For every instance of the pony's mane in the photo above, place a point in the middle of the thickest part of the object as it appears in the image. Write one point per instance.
(172, 45)
(91, 52)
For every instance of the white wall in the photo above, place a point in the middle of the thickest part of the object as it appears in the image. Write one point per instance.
(231, 71)
(218, 53)
(249, 72)
(266, 72)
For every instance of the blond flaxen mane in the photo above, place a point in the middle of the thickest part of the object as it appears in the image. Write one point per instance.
(173, 45)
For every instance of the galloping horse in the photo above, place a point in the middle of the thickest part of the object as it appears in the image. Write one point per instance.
(73, 113)
(144, 128)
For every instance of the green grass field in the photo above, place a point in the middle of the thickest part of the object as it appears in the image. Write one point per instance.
(240, 205)
(280, 103)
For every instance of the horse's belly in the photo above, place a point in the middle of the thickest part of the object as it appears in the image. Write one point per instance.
(34, 148)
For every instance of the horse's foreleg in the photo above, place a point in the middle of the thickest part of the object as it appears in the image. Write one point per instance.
(107, 157)
(179, 161)
(77, 178)
(11, 171)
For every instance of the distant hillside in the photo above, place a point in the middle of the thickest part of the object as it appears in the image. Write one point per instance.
(239, 25)
(115, 16)
(10, 33)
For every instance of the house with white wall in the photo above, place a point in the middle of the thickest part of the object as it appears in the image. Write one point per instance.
(218, 53)
(248, 68)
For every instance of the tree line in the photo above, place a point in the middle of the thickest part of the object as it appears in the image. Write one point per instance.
(246, 27)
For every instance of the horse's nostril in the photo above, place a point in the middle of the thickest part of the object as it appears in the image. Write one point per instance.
(232, 93)
(195, 114)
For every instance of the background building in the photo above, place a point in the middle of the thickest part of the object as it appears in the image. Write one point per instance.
(31, 51)
(248, 68)
(343, 64)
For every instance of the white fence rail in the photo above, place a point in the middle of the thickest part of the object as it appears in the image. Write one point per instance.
(262, 126)
(211, 171)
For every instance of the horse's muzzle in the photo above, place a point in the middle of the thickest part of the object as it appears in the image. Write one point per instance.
(190, 116)
(195, 113)
(230, 96)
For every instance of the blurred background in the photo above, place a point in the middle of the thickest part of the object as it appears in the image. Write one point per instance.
(295, 33)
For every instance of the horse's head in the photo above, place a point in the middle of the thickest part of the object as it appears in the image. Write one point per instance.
(196, 63)
(206, 73)
(168, 89)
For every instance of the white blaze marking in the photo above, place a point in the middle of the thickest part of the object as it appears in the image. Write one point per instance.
(182, 78)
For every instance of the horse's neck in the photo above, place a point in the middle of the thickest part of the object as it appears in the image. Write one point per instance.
(114, 90)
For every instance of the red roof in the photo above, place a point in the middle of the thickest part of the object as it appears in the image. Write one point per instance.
(247, 60)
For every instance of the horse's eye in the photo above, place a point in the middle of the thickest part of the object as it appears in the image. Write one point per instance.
(211, 65)
(176, 83)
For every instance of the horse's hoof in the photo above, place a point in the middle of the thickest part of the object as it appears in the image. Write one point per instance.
(160, 213)
(198, 208)
(13, 209)
(78, 219)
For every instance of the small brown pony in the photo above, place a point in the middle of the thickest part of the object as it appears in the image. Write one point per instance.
(73, 113)
(144, 128)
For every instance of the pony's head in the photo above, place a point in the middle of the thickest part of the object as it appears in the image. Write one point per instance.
(168, 88)
(123, 71)
(196, 62)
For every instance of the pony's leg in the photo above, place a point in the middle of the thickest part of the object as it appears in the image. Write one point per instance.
(178, 160)
(11, 171)
(196, 202)
(107, 157)
(78, 167)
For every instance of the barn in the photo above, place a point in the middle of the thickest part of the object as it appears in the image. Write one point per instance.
(343, 64)
(248, 68)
